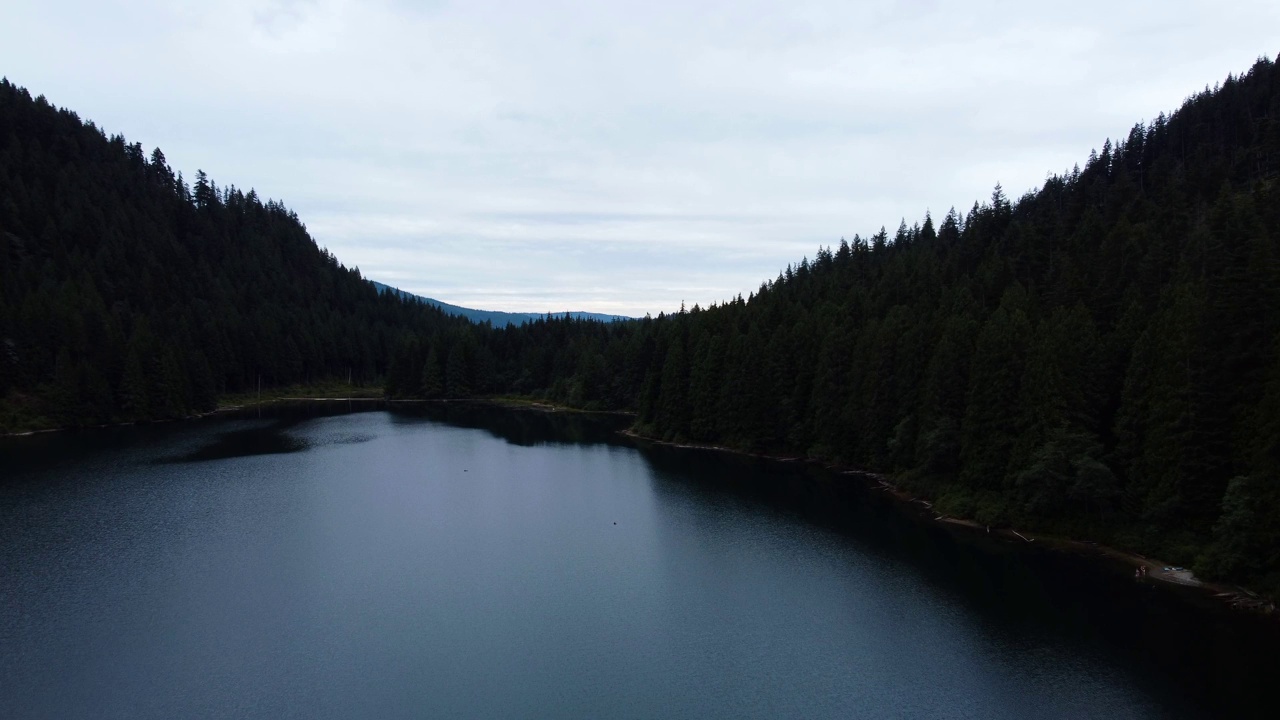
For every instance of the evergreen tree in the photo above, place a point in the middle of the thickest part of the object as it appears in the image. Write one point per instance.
(432, 374)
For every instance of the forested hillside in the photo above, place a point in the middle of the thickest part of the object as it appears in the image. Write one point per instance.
(1098, 356)
(127, 294)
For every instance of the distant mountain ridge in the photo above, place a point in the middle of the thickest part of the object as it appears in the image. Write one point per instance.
(497, 318)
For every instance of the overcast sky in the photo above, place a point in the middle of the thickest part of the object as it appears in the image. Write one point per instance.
(619, 156)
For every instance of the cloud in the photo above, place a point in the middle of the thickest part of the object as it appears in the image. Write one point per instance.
(619, 156)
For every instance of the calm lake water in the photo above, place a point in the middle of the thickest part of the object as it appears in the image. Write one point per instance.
(460, 561)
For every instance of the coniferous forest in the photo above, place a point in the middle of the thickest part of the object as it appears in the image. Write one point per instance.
(1098, 357)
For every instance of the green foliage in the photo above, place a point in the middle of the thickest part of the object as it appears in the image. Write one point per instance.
(1246, 537)
(1093, 355)
(432, 375)
(128, 296)
(990, 426)
(458, 372)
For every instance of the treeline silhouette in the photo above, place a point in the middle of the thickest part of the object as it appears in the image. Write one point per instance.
(128, 294)
(1098, 356)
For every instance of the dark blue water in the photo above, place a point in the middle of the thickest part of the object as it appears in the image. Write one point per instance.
(468, 562)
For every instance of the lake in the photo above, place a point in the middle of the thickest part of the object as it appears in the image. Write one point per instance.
(450, 560)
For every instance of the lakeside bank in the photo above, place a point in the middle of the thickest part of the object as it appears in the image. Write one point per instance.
(1168, 574)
